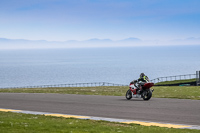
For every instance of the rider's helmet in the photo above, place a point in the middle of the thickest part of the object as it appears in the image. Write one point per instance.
(142, 75)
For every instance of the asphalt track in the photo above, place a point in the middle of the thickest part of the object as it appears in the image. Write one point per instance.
(176, 111)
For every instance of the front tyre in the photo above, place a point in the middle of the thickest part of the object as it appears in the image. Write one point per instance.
(128, 94)
(147, 95)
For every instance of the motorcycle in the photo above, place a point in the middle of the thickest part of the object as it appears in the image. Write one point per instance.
(144, 91)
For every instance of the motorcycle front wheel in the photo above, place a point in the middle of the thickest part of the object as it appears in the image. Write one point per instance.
(128, 94)
(147, 95)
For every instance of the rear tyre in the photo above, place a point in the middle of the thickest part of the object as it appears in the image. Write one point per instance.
(128, 94)
(147, 95)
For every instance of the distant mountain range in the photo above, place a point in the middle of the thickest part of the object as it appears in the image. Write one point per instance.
(90, 40)
(95, 42)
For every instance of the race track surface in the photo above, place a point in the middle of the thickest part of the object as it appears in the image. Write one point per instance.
(177, 111)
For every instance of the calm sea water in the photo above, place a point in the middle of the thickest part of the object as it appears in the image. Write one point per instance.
(114, 65)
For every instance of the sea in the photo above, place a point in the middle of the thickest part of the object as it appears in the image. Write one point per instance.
(118, 65)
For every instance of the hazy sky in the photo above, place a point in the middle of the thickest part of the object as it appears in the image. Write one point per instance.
(61, 20)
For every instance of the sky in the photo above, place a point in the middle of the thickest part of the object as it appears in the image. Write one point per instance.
(62, 20)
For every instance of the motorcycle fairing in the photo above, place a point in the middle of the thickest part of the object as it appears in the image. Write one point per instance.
(148, 85)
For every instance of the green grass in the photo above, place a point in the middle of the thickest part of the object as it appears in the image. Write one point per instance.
(102, 90)
(176, 82)
(28, 123)
(180, 92)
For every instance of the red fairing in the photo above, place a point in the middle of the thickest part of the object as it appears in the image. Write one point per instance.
(133, 90)
(148, 85)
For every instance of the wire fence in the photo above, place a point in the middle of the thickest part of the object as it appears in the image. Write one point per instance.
(172, 78)
(94, 84)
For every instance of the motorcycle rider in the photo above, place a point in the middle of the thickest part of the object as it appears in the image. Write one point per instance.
(140, 82)
(143, 78)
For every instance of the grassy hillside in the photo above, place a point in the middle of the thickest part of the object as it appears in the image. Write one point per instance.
(178, 82)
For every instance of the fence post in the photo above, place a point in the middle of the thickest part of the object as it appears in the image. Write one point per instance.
(197, 78)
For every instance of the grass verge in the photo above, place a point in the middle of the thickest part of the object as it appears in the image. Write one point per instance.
(180, 92)
(28, 123)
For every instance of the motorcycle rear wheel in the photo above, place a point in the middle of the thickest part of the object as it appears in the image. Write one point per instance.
(128, 94)
(147, 95)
